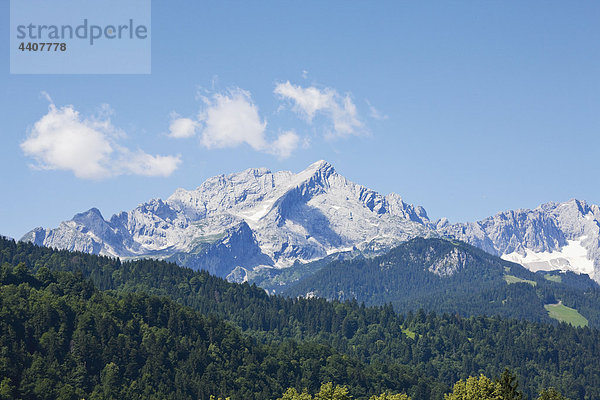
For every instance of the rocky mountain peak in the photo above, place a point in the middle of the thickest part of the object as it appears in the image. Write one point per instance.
(93, 214)
(320, 165)
(251, 218)
(317, 174)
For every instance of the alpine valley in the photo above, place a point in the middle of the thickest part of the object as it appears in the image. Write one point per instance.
(254, 225)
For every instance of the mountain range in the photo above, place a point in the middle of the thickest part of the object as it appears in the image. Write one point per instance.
(246, 225)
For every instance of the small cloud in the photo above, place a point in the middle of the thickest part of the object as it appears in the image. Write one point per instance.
(231, 119)
(311, 101)
(62, 140)
(305, 74)
(141, 163)
(45, 95)
(307, 101)
(306, 142)
(285, 144)
(182, 127)
(375, 114)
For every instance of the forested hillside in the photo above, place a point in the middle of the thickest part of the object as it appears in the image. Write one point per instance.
(452, 276)
(63, 339)
(431, 351)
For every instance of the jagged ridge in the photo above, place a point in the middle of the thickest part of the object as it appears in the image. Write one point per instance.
(260, 219)
(246, 220)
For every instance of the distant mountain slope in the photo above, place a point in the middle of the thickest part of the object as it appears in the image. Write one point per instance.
(563, 236)
(448, 276)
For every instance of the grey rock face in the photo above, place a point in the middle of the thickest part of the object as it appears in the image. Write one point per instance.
(237, 248)
(448, 265)
(552, 236)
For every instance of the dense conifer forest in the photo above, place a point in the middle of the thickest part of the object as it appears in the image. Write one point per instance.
(150, 329)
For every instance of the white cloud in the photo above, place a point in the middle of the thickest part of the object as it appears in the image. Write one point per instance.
(285, 144)
(182, 127)
(307, 100)
(140, 163)
(310, 100)
(231, 119)
(62, 140)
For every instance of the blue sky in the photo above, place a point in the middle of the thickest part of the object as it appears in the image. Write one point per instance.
(466, 108)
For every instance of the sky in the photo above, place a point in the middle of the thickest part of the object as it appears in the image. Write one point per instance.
(466, 108)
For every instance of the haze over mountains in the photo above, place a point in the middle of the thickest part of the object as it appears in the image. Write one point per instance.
(256, 219)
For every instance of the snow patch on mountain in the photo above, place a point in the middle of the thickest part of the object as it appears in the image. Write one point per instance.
(572, 257)
(563, 236)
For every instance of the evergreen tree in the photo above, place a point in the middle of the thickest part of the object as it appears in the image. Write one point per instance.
(509, 386)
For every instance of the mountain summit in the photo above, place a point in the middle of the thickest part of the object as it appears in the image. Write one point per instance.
(248, 219)
(254, 219)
